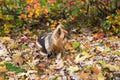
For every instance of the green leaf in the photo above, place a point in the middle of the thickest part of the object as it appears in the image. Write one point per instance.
(24, 46)
(55, 78)
(107, 49)
(40, 71)
(43, 2)
(75, 45)
(11, 67)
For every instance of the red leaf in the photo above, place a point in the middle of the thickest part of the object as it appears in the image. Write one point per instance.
(98, 36)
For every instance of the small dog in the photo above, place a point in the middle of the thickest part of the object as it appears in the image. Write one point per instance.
(53, 43)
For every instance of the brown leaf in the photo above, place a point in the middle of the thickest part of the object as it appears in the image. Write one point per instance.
(17, 59)
(2, 76)
(41, 66)
(83, 75)
(68, 46)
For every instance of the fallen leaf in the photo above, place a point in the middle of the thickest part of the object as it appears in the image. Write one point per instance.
(79, 59)
(24, 39)
(98, 36)
(3, 69)
(68, 46)
(55, 78)
(6, 39)
(17, 59)
(112, 67)
(2, 76)
(11, 67)
(84, 53)
(100, 77)
(83, 76)
(45, 78)
(107, 49)
(57, 65)
(41, 66)
(117, 53)
(73, 68)
(95, 69)
(13, 45)
(75, 44)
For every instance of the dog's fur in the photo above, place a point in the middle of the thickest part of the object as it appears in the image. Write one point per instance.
(54, 42)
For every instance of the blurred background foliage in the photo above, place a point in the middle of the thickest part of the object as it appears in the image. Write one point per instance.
(15, 15)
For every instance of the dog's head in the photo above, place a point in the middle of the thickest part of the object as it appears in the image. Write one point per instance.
(59, 37)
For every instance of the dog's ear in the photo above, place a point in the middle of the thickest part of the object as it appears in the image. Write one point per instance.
(58, 32)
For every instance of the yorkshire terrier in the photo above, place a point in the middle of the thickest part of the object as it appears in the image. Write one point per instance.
(53, 43)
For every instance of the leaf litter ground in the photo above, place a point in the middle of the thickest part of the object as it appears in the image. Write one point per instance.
(88, 56)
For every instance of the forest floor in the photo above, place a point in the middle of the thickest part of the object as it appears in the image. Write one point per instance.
(88, 56)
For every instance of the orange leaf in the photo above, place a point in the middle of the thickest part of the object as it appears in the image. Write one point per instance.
(83, 75)
(3, 69)
(29, 8)
(35, 6)
(95, 69)
(22, 16)
(98, 36)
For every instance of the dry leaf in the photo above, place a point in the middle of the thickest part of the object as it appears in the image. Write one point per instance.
(17, 59)
(83, 75)
(100, 77)
(98, 36)
(3, 69)
(68, 46)
(112, 67)
(95, 69)
(84, 53)
(41, 66)
(6, 39)
(2, 76)
(73, 68)
(13, 45)
(45, 78)
(79, 59)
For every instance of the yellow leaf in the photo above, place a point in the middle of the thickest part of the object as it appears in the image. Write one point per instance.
(30, 14)
(2, 62)
(84, 53)
(13, 45)
(73, 68)
(29, 1)
(100, 77)
(0, 16)
(7, 17)
(3, 69)
(68, 46)
(112, 67)
(2, 76)
(108, 17)
(118, 11)
(6, 39)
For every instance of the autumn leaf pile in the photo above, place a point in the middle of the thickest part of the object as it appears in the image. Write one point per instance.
(87, 56)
